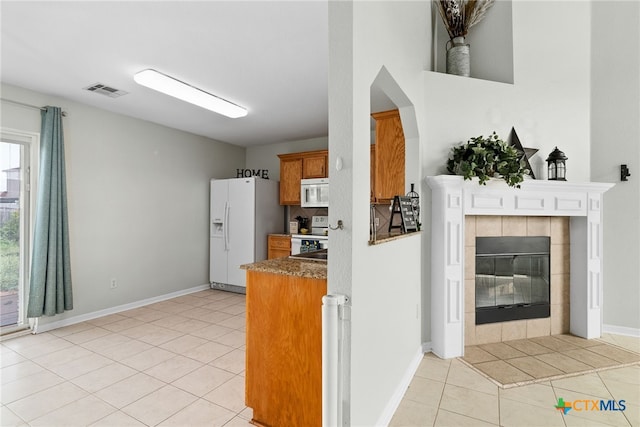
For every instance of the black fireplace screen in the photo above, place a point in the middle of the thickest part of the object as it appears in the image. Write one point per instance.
(512, 278)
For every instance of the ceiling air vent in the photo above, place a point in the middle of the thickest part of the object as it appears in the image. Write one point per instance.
(105, 90)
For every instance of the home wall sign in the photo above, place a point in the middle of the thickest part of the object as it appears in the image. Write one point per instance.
(248, 173)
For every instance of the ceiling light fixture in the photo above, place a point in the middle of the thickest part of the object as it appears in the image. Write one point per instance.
(168, 85)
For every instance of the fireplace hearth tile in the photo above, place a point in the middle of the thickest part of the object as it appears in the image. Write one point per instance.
(590, 358)
(501, 351)
(578, 341)
(614, 353)
(503, 372)
(563, 362)
(543, 364)
(554, 343)
(535, 367)
(528, 347)
(475, 354)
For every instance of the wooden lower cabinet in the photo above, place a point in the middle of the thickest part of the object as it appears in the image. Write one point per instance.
(284, 349)
(278, 246)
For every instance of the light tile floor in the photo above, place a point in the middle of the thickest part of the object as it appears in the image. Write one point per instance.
(180, 362)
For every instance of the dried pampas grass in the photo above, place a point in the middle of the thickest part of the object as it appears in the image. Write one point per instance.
(460, 15)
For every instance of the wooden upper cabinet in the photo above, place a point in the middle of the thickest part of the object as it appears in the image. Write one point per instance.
(389, 159)
(372, 174)
(290, 176)
(315, 165)
(297, 166)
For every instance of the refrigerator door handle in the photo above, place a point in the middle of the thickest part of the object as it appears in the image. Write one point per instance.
(226, 226)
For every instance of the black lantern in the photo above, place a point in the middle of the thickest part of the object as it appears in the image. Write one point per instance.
(556, 166)
(415, 201)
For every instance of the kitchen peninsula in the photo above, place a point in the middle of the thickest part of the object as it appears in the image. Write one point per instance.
(284, 341)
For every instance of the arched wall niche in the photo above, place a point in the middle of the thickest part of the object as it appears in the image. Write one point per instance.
(386, 94)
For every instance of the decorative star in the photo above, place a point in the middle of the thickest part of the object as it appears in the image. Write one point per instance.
(527, 153)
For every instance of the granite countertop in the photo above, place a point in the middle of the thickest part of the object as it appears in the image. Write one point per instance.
(290, 267)
(387, 237)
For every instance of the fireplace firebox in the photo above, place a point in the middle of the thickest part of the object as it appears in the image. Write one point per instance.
(512, 278)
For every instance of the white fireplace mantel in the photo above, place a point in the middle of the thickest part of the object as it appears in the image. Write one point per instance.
(453, 198)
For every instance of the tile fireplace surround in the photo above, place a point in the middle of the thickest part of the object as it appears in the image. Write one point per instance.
(453, 198)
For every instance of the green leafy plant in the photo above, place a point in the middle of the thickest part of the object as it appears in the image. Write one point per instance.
(10, 230)
(487, 158)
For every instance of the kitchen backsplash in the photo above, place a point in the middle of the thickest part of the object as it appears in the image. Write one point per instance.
(295, 211)
(383, 212)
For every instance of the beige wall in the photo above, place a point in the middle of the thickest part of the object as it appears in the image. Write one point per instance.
(138, 196)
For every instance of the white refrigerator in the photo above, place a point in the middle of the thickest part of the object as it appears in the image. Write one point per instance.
(243, 212)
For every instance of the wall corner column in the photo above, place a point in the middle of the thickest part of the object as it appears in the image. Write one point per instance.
(447, 270)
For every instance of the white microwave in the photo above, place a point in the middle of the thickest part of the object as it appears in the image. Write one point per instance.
(314, 193)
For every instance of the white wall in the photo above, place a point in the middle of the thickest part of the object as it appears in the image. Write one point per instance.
(490, 38)
(548, 104)
(615, 133)
(138, 196)
(382, 281)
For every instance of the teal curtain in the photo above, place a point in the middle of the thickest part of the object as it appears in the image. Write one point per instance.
(50, 284)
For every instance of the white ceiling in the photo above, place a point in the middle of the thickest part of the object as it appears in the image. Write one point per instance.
(270, 57)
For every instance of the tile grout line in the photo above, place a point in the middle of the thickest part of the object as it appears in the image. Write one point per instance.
(609, 390)
(555, 395)
(442, 394)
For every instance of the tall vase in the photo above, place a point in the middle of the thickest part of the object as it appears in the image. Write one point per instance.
(458, 57)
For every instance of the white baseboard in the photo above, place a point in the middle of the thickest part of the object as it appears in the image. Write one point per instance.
(621, 330)
(396, 398)
(426, 347)
(113, 310)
